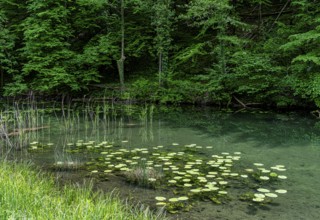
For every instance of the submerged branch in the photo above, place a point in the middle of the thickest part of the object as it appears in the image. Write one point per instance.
(241, 103)
(246, 105)
(316, 113)
(23, 130)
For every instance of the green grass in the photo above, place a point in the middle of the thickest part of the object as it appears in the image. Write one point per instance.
(29, 194)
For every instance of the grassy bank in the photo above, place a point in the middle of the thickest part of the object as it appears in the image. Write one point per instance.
(28, 194)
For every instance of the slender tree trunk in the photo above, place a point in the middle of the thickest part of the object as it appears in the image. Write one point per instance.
(120, 62)
(160, 68)
(260, 27)
(222, 50)
(223, 58)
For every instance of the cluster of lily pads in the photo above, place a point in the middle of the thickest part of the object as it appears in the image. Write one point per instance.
(184, 172)
(265, 177)
(37, 146)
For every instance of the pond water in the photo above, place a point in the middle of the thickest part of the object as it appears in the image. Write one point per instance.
(288, 139)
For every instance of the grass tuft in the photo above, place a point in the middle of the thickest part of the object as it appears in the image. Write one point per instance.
(144, 177)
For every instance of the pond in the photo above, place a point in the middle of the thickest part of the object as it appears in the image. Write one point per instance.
(242, 159)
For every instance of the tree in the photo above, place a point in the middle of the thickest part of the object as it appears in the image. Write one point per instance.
(12, 12)
(51, 54)
(302, 49)
(214, 43)
(6, 48)
(122, 58)
(46, 48)
(162, 21)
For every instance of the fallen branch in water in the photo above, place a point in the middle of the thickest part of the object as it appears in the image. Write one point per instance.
(23, 130)
(246, 105)
(316, 113)
(241, 103)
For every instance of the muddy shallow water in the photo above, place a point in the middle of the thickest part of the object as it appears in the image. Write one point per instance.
(262, 137)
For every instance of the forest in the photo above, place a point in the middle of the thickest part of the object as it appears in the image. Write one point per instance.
(254, 52)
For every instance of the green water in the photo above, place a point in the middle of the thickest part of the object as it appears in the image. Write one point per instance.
(290, 139)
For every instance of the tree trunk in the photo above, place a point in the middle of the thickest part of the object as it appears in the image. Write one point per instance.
(120, 62)
(160, 68)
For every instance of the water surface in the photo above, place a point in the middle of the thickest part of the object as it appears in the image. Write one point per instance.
(291, 139)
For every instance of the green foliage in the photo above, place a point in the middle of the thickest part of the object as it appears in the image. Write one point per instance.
(8, 59)
(208, 14)
(190, 53)
(303, 51)
(201, 50)
(48, 63)
(253, 74)
(6, 41)
(173, 91)
(144, 89)
(162, 21)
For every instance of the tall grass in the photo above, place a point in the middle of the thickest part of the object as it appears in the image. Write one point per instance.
(22, 122)
(19, 124)
(28, 194)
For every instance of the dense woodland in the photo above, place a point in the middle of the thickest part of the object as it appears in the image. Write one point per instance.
(195, 51)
